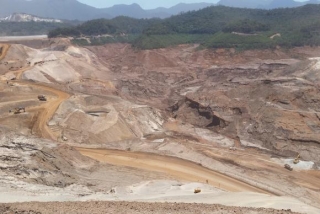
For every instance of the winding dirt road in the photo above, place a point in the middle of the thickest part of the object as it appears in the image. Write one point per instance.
(178, 168)
(48, 110)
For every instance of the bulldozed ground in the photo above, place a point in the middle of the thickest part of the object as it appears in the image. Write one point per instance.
(121, 124)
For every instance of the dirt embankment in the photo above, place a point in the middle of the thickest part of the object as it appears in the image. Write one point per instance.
(3, 50)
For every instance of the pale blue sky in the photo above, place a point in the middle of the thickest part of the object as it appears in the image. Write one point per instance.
(146, 4)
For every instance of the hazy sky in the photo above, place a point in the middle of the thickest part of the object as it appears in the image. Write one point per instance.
(146, 4)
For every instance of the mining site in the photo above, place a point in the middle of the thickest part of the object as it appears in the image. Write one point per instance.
(114, 129)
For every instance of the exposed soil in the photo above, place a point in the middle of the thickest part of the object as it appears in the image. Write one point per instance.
(179, 169)
(225, 120)
(128, 207)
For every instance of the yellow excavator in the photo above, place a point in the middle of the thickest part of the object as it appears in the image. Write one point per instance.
(297, 159)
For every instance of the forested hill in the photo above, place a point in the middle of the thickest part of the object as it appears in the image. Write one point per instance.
(216, 26)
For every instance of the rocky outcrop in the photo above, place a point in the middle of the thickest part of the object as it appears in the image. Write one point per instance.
(37, 161)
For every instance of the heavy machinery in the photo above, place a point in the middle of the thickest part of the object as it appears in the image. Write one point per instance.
(42, 98)
(196, 191)
(288, 167)
(297, 159)
(19, 110)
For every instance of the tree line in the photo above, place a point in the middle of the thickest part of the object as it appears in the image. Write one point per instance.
(216, 26)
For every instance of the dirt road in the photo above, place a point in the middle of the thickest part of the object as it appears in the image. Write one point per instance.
(5, 48)
(178, 168)
(47, 109)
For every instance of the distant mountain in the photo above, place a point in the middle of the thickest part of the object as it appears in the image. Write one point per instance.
(22, 17)
(74, 10)
(133, 10)
(284, 3)
(245, 3)
(265, 4)
(179, 8)
(58, 9)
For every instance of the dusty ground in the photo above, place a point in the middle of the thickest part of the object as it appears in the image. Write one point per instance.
(148, 119)
(128, 207)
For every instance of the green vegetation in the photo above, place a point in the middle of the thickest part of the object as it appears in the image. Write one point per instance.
(214, 27)
(245, 26)
(28, 28)
(130, 38)
(162, 41)
(227, 40)
(119, 25)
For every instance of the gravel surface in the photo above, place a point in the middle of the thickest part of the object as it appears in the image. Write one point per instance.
(128, 207)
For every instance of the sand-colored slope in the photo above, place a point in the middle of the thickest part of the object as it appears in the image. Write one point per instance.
(178, 168)
(5, 48)
(48, 110)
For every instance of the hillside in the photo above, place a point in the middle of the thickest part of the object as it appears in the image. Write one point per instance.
(60, 9)
(125, 124)
(215, 26)
(265, 4)
(22, 17)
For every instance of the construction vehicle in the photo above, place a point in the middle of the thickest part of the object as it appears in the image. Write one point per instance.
(42, 98)
(288, 167)
(196, 191)
(19, 110)
(297, 159)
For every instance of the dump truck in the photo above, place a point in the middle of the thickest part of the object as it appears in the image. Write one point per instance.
(42, 98)
(288, 167)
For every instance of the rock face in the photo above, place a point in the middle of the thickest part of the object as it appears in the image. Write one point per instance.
(279, 112)
(263, 98)
(36, 161)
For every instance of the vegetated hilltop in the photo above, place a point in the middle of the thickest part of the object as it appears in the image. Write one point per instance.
(29, 28)
(216, 26)
(265, 4)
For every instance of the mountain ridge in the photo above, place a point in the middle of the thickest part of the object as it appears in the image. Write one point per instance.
(60, 9)
(265, 4)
